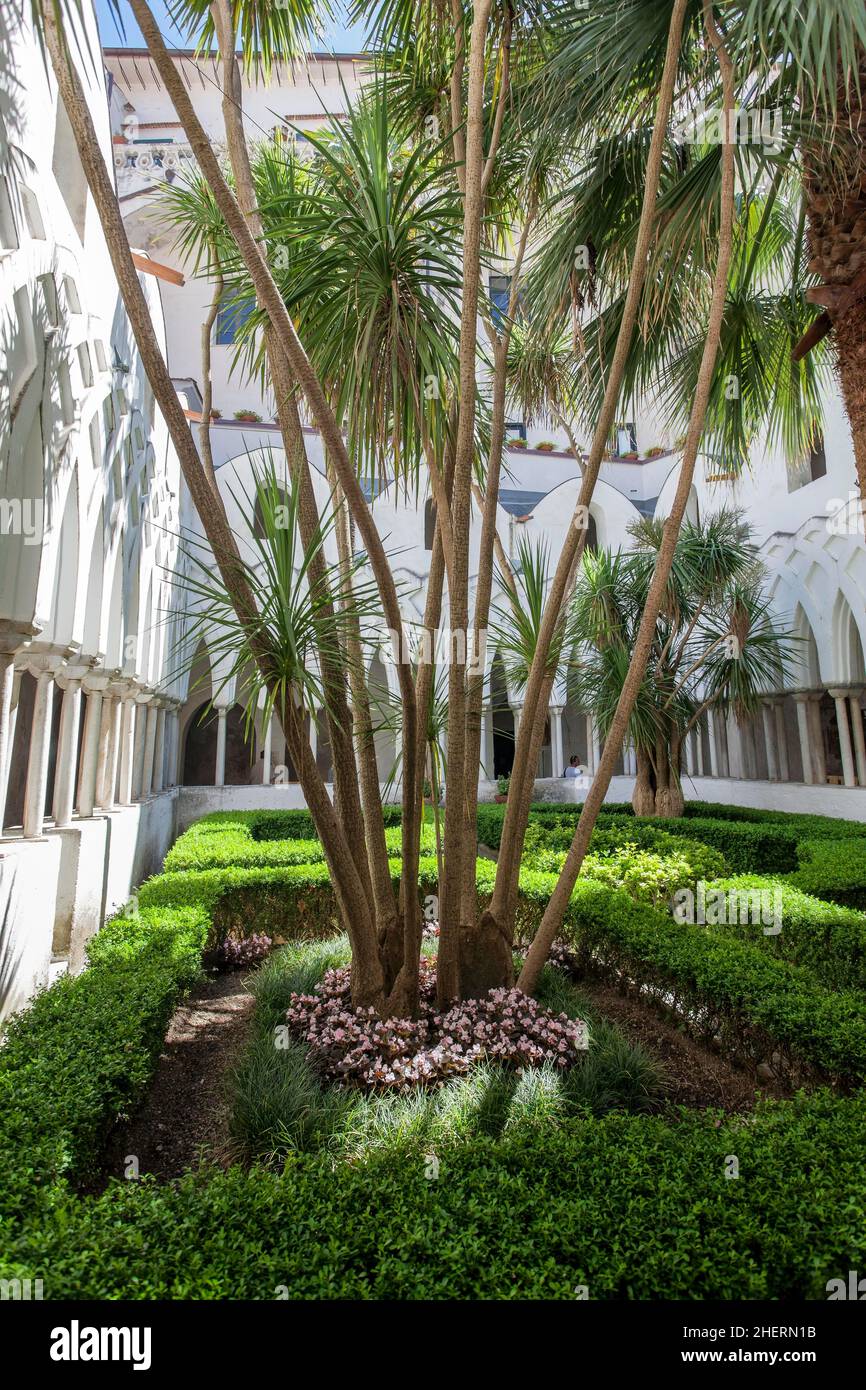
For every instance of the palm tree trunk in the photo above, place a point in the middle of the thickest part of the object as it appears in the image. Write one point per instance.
(206, 500)
(448, 969)
(517, 810)
(836, 207)
(556, 908)
(367, 845)
(305, 378)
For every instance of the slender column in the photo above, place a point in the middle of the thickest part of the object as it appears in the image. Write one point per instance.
(699, 748)
(314, 737)
(714, 747)
(67, 749)
(268, 748)
(482, 745)
(781, 739)
(7, 726)
(175, 746)
(557, 753)
(138, 746)
(489, 742)
(149, 746)
(517, 711)
(93, 687)
(819, 762)
(127, 750)
(801, 701)
(113, 754)
(103, 756)
(159, 751)
(770, 740)
(735, 753)
(840, 699)
(220, 772)
(37, 761)
(859, 739)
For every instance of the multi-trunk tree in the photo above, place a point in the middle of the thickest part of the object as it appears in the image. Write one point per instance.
(366, 273)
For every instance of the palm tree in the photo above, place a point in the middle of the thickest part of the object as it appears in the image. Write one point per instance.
(715, 646)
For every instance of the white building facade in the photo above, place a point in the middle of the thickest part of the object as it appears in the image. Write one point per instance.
(104, 755)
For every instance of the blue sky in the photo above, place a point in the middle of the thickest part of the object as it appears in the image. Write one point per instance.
(340, 36)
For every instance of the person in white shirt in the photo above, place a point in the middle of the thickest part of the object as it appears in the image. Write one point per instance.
(573, 769)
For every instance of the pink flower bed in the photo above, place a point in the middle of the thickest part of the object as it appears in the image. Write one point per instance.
(355, 1046)
(238, 953)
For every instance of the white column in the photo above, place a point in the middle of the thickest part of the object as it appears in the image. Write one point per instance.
(769, 723)
(103, 755)
(138, 746)
(37, 761)
(819, 762)
(781, 739)
(859, 739)
(802, 703)
(482, 746)
(268, 748)
(314, 737)
(113, 753)
(517, 711)
(159, 751)
(7, 680)
(67, 749)
(174, 774)
(220, 771)
(840, 699)
(699, 748)
(127, 750)
(689, 754)
(149, 746)
(714, 747)
(93, 687)
(735, 753)
(557, 752)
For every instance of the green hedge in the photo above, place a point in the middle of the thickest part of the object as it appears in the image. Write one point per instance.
(235, 843)
(630, 1208)
(834, 869)
(83, 1052)
(286, 901)
(824, 936)
(805, 825)
(753, 1003)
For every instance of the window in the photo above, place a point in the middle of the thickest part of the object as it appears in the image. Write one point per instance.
(515, 429)
(624, 439)
(818, 459)
(231, 318)
(500, 293)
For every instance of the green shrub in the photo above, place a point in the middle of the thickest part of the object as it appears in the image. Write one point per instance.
(833, 869)
(827, 938)
(804, 824)
(82, 1053)
(752, 1002)
(630, 1207)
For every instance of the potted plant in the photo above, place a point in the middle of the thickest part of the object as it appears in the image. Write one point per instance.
(631, 457)
(546, 446)
(517, 443)
(250, 417)
(655, 452)
(502, 784)
(216, 415)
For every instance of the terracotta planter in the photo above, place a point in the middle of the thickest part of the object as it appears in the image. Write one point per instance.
(499, 799)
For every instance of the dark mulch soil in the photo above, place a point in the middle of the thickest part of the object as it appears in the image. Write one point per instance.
(184, 1118)
(697, 1076)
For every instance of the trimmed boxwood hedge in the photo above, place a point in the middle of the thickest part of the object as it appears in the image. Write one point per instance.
(630, 1208)
(82, 1053)
(515, 1217)
(753, 1003)
(833, 869)
(824, 936)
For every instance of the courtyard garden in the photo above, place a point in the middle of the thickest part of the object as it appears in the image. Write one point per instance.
(677, 1113)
